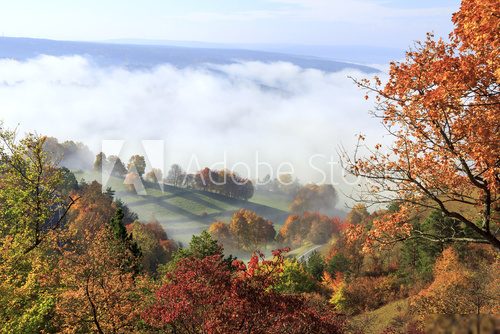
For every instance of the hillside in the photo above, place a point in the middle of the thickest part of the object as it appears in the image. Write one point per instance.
(184, 212)
(376, 321)
(147, 56)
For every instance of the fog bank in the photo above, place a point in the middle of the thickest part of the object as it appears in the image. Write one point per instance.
(278, 111)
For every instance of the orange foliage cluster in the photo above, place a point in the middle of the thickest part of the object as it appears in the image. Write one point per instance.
(95, 271)
(311, 226)
(313, 197)
(441, 105)
(247, 230)
(462, 286)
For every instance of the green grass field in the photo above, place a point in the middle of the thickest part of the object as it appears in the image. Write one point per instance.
(184, 212)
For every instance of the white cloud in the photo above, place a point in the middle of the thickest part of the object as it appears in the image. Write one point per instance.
(285, 112)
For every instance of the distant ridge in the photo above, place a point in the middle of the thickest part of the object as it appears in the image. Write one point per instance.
(147, 56)
(357, 54)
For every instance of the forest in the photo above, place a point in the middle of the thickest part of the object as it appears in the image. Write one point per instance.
(416, 252)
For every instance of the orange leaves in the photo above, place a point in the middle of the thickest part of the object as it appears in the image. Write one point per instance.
(220, 231)
(461, 286)
(441, 105)
(250, 230)
(266, 271)
(311, 226)
(354, 233)
(314, 197)
(385, 228)
(474, 23)
(98, 286)
(333, 282)
(389, 227)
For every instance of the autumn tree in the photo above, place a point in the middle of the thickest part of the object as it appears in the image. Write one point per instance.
(441, 107)
(313, 197)
(100, 162)
(202, 179)
(96, 272)
(137, 164)
(361, 294)
(155, 246)
(357, 215)
(237, 187)
(205, 296)
(220, 231)
(246, 230)
(155, 175)
(311, 226)
(250, 230)
(30, 203)
(224, 182)
(463, 286)
(33, 206)
(293, 278)
(175, 175)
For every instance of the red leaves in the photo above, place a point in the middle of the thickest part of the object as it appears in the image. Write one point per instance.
(279, 252)
(204, 296)
(195, 286)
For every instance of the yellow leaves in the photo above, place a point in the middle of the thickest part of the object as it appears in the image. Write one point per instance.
(460, 286)
(497, 74)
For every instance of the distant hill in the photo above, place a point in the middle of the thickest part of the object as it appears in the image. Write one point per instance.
(146, 56)
(359, 54)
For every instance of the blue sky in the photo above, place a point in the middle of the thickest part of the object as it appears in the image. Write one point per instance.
(319, 22)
